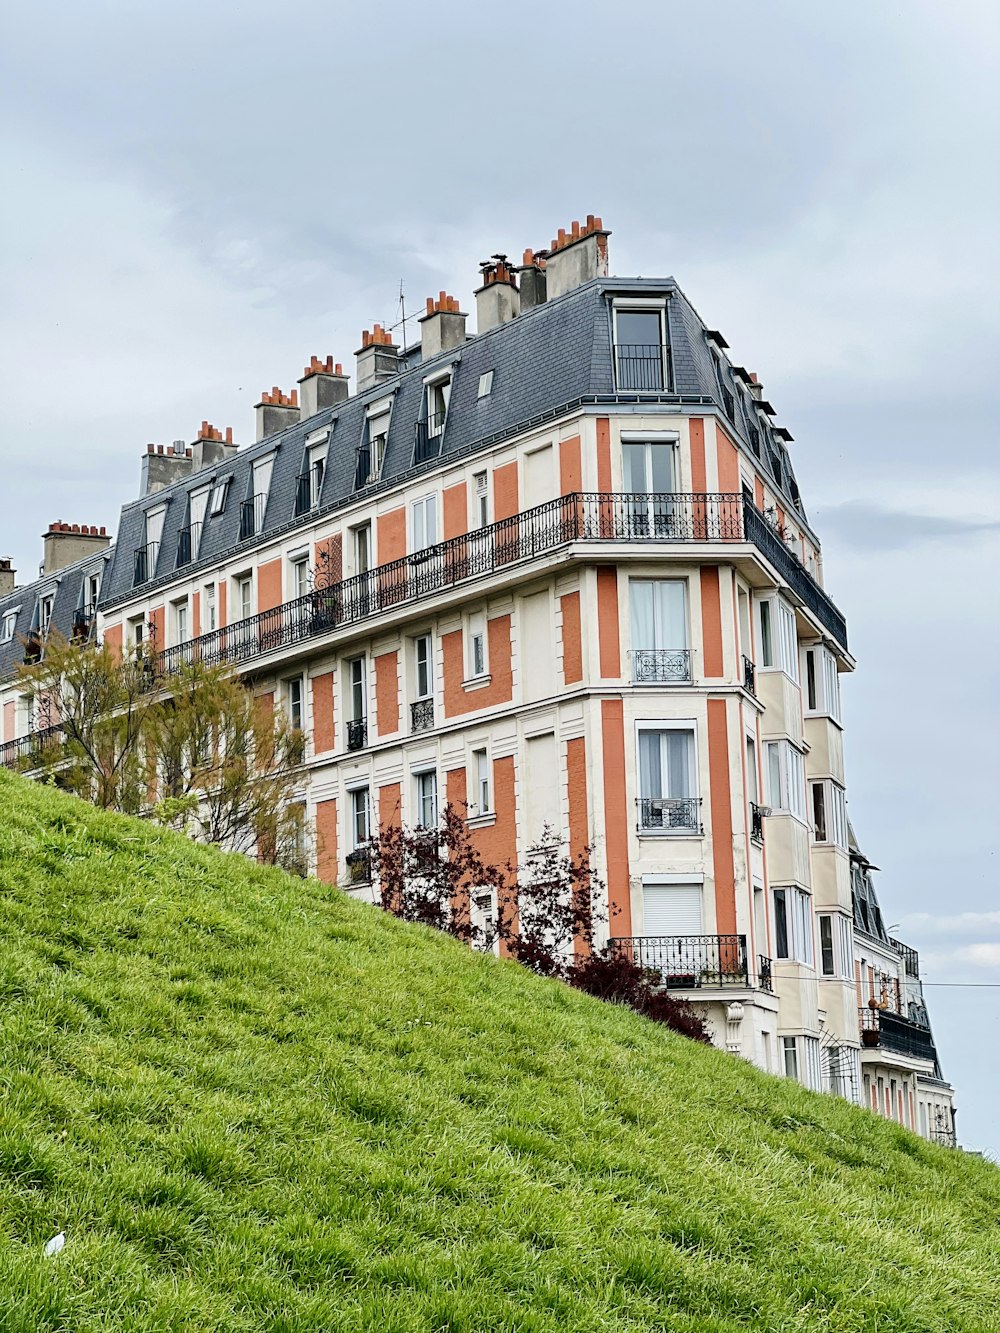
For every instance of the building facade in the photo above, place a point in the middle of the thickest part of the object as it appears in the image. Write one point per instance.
(558, 572)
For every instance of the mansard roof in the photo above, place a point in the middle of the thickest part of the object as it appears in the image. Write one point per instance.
(67, 587)
(544, 362)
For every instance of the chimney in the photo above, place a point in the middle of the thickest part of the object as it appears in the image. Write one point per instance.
(377, 358)
(7, 575)
(442, 327)
(532, 273)
(161, 466)
(65, 543)
(576, 256)
(322, 385)
(210, 446)
(497, 300)
(276, 411)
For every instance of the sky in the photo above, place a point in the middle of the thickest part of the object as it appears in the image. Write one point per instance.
(200, 197)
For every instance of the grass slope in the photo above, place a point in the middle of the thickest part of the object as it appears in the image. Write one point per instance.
(253, 1104)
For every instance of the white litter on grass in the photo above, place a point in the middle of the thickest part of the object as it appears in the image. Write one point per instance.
(54, 1245)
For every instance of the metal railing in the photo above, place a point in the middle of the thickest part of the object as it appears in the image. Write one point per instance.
(28, 752)
(188, 541)
(894, 1032)
(252, 516)
(308, 489)
(795, 574)
(687, 962)
(144, 562)
(749, 676)
(357, 733)
(910, 957)
(641, 366)
(669, 814)
(422, 715)
(84, 621)
(661, 666)
(583, 517)
(428, 434)
(764, 974)
(756, 824)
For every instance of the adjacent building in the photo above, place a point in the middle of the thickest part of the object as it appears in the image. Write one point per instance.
(558, 571)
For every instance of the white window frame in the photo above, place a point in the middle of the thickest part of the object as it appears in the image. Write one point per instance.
(378, 419)
(243, 583)
(784, 775)
(298, 575)
(362, 546)
(217, 497)
(645, 306)
(354, 811)
(485, 384)
(197, 510)
(356, 672)
(209, 602)
(659, 726)
(181, 620)
(423, 662)
(777, 637)
(437, 393)
(8, 625)
(290, 685)
(46, 606)
(316, 455)
(481, 498)
(426, 798)
(792, 906)
(423, 523)
(482, 776)
(821, 683)
(834, 804)
(476, 647)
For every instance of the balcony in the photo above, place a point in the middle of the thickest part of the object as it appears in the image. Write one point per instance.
(888, 1031)
(756, 824)
(910, 957)
(28, 752)
(641, 366)
(422, 715)
(427, 437)
(84, 621)
(144, 560)
(252, 516)
(308, 489)
(188, 542)
(661, 666)
(691, 962)
(749, 677)
(670, 814)
(357, 733)
(581, 517)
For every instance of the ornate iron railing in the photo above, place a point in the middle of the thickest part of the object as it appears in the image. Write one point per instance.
(795, 574)
(357, 733)
(894, 1032)
(749, 677)
(428, 434)
(641, 366)
(764, 972)
(422, 715)
(669, 814)
(661, 666)
(252, 516)
(583, 517)
(359, 868)
(28, 752)
(144, 562)
(687, 962)
(756, 823)
(84, 621)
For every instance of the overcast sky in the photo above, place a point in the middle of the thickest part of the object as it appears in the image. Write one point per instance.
(198, 197)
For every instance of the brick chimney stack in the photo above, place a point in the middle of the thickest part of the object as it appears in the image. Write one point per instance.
(276, 411)
(323, 384)
(377, 358)
(532, 279)
(211, 446)
(442, 327)
(65, 543)
(577, 256)
(497, 300)
(7, 574)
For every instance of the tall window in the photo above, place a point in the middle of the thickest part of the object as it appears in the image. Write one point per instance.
(363, 548)
(793, 938)
(360, 821)
(481, 491)
(7, 626)
(829, 812)
(377, 438)
(438, 397)
(659, 631)
(836, 945)
(649, 479)
(481, 767)
(316, 462)
(299, 576)
(427, 799)
(424, 662)
(356, 700)
(639, 349)
(822, 683)
(244, 596)
(199, 504)
(423, 522)
(790, 1059)
(828, 962)
(476, 656)
(294, 702)
(785, 778)
(181, 634)
(253, 521)
(779, 647)
(667, 780)
(210, 615)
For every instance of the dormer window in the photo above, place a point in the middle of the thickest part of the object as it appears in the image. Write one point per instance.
(430, 429)
(255, 505)
(641, 352)
(7, 626)
(371, 454)
(220, 489)
(189, 540)
(146, 556)
(309, 487)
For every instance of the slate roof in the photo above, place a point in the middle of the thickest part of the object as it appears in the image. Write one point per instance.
(68, 587)
(543, 362)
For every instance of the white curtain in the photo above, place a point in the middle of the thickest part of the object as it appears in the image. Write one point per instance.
(665, 763)
(659, 615)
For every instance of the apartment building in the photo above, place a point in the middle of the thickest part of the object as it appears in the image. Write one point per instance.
(560, 572)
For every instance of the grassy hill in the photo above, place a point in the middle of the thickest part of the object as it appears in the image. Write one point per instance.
(252, 1104)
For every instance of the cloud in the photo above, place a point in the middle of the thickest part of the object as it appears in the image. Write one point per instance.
(874, 527)
(963, 923)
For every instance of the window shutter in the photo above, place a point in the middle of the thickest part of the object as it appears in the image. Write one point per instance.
(672, 909)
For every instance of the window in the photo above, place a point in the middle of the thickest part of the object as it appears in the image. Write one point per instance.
(363, 548)
(423, 522)
(423, 659)
(210, 619)
(154, 531)
(483, 918)
(7, 626)
(181, 622)
(828, 961)
(485, 384)
(481, 491)
(822, 683)
(829, 812)
(137, 631)
(359, 817)
(196, 519)
(790, 1057)
(373, 449)
(793, 939)
(293, 702)
(672, 909)
(778, 638)
(659, 631)
(316, 466)
(217, 502)
(640, 354)
(299, 570)
(244, 596)
(475, 664)
(438, 397)
(356, 687)
(753, 790)
(254, 509)
(481, 771)
(785, 778)
(93, 591)
(667, 781)
(45, 614)
(427, 798)
(649, 468)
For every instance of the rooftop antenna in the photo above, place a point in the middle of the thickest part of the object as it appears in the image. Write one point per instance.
(402, 314)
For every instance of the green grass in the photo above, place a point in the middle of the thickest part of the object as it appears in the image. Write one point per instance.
(254, 1105)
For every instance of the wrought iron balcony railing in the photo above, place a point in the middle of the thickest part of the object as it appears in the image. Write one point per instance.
(144, 560)
(357, 733)
(910, 957)
(84, 622)
(661, 666)
(428, 436)
(688, 962)
(749, 677)
(252, 516)
(641, 366)
(579, 517)
(309, 489)
(756, 823)
(28, 752)
(188, 542)
(422, 715)
(669, 814)
(359, 867)
(894, 1032)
